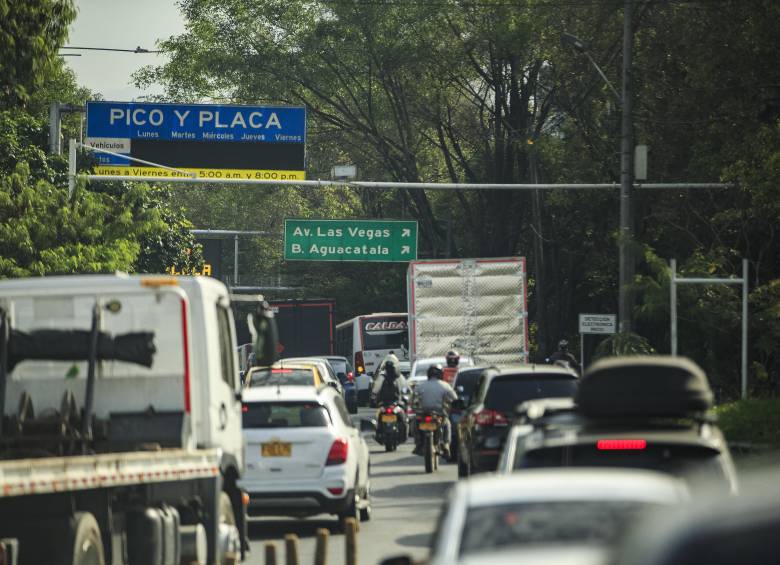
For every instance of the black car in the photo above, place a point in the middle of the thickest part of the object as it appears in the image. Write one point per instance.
(483, 428)
(647, 413)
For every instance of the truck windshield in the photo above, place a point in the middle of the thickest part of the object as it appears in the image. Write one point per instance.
(271, 377)
(284, 415)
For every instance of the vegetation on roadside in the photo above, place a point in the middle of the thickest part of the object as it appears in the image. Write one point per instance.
(755, 421)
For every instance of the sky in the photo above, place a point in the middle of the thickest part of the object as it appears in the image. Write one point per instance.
(119, 24)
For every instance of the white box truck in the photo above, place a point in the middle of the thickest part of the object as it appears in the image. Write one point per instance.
(476, 306)
(120, 406)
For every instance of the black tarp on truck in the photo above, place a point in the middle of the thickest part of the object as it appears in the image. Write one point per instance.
(306, 326)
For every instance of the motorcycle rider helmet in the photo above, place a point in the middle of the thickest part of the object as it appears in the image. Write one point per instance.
(563, 345)
(435, 371)
(453, 358)
(389, 364)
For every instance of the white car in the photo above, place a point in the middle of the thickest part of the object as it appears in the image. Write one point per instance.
(547, 511)
(419, 370)
(303, 454)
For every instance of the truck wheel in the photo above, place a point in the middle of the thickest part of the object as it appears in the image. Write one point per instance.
(87, 543)
(229, 543)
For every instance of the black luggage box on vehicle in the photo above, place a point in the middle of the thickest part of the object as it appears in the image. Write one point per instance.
(653, 385)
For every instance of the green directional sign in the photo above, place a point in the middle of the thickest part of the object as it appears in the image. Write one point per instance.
(350, 240)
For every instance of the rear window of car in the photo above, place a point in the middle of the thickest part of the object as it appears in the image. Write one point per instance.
(284, 415)
(548, 522)
(700, 464)
(287, 377)
(339, 365)
(468, 380)
(505, 393)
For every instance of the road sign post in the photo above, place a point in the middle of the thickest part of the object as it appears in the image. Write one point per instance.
(350, 240)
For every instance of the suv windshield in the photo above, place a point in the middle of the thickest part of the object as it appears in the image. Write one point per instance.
(548, 522)
(692, 461)
(284, 415)
(273, 376)
(506, 392)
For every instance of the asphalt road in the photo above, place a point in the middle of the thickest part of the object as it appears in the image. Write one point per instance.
(405, 502)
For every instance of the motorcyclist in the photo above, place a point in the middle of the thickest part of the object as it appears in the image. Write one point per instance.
(389, 388)
(435, 395)
(451, 370)
(563, 356)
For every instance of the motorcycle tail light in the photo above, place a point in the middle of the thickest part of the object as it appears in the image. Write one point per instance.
(621, 444)
(338, 452)
(389, 410)
(428, 418)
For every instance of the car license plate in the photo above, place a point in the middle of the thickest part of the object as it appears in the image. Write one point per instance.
(389, 418)
(276, 449)
(427, 426)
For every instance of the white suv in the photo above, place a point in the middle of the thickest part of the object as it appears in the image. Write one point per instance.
(303, 454)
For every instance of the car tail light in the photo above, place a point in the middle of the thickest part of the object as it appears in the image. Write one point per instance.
(335, 491)
(621, 444)
(338, 452)
(244, 408)
(350, 376)
(360, 365)
(489, 417)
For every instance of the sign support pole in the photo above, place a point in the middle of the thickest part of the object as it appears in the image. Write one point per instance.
(699, 280)
(582, 353)
(71, 167)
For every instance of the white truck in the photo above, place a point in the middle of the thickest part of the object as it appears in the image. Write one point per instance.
(121, 412)
(476, 306)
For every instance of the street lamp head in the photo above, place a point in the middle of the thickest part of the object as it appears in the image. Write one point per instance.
(574, 42)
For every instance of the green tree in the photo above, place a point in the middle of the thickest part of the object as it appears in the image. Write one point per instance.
(30, 35)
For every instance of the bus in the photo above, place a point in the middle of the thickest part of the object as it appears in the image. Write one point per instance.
(366, 340)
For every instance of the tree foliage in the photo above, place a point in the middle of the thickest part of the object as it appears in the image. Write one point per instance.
(31, 33)
(485, 92)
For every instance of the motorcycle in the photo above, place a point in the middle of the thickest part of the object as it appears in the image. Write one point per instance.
(429, 436)
(391, 429)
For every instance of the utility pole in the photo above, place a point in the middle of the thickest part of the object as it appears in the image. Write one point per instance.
(626, 262)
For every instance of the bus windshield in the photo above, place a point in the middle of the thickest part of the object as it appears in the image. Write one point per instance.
(385, 332)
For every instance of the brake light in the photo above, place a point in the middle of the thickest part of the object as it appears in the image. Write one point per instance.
(244, 408)
(335, 491)
(489, 417)
(389, 410)
(359, 363)
(428, 418)
(338, 452)
(621, 444)
(350, 376)
(281, 370)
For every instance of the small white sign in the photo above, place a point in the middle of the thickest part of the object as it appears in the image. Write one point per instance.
(598, 323)
(113, 144)
(344, 171)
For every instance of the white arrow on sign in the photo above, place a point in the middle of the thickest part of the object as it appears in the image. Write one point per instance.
(406, 232)
(405, 249)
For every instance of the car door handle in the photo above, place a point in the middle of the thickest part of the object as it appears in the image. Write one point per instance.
(223, 416)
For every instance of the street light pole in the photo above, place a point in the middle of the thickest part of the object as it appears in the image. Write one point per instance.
(626, 261)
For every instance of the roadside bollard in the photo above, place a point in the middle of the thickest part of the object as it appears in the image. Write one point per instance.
(270, 553)
(350, 537)
(321, 549)
(291, 550)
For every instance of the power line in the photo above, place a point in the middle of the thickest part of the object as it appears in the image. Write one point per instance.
(138, 49)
